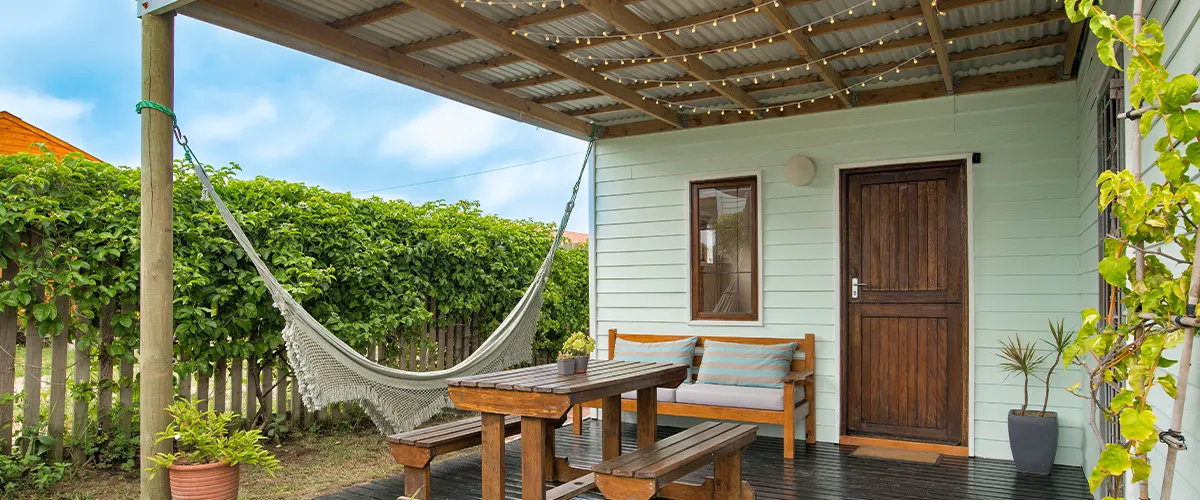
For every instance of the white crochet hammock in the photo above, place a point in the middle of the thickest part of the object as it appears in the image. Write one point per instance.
(330, 371)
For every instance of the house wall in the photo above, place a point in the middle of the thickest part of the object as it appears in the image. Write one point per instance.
(1026, 215)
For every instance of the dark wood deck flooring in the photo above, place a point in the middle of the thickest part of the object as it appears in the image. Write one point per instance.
(821, 471)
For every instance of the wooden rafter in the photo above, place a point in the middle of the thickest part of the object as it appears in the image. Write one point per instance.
(371, 16)
(279, 21)
(790, 30)
(966, 55)
(930, 12)
(818, 30)
(625, 20)
(1071, 48)
(914, 41)
(484, 28)
(967, 85)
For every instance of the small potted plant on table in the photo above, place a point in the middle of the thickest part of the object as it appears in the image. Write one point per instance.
(1033, 434)
(566, 363)
(581, 346)
(208, 454)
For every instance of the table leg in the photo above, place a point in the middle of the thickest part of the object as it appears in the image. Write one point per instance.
(647, 416)
(548, 455)
(611, 426)
(493, 456)
(533, 458)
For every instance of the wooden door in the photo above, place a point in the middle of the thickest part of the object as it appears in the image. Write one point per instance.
(904, 240)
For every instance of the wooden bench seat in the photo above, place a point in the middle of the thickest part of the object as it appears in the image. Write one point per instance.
(653, 470)
(415, 449)
(798, 392)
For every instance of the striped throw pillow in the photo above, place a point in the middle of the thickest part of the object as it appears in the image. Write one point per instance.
(729, 363)
(671, 351)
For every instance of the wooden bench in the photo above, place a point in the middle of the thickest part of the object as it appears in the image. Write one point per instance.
(415, 449)
(800, 378)
(652, 471)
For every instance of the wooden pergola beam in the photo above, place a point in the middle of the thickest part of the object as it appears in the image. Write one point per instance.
(484, 28)
(967, 85)
(282, 21)
(914, 41)
(966, 55)
(371, 16)
(790, 30)
(1071, 48)
(930, 12)
(625, 20)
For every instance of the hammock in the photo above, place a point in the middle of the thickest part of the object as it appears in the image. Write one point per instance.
(329, 371)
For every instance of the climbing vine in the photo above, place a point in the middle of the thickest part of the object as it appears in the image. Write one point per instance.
(1158, 223)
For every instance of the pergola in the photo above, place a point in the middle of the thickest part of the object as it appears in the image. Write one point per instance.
(634, 67)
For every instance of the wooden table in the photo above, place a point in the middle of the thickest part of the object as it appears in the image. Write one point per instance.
(542, 398)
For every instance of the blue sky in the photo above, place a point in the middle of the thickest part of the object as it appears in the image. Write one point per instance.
(72, 67)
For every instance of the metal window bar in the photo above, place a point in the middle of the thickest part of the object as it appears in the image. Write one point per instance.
(1111, 155)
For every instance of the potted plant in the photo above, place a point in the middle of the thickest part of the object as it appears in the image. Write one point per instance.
(1033, 434)
(207, 456)
(581, 346)
(566, 363)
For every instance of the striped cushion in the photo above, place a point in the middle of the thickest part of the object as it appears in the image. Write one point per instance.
(672, 351)
(728, 363)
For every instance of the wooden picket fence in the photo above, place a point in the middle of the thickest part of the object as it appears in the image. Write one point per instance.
(229, 387)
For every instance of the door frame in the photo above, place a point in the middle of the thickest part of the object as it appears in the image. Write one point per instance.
(838, 286)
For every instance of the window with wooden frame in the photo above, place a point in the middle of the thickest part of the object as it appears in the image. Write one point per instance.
(724, 243)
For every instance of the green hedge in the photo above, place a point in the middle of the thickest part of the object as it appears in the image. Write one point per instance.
(368, 269)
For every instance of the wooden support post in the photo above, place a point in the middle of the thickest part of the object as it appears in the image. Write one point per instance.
(237, 388)
(533, 458)
(493, 456)
(125, 397)
(281, 392)
(104, 373)
(8, 363)
(157, 333)
(79, 420)
(647, 416)
(577, 420)
(202, 390)
(610, 408)
(728, 477)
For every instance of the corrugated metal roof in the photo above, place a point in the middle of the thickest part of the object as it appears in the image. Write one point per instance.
(417, 26)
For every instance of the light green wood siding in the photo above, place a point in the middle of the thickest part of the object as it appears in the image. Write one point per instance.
(1026, 230)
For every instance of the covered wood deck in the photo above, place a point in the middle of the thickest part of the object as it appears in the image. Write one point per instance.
(820, 471)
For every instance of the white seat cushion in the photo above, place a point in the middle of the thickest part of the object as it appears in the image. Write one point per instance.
(757, 398)
(665, 395)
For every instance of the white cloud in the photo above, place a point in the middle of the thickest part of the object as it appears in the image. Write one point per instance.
(234, 124)
(55, 115)
(446, 132)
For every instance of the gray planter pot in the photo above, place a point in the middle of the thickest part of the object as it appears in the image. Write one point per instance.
(581, 363)
(566, 366)
(1033, 439)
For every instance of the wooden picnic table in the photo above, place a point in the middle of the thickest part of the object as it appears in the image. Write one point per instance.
(542, 398)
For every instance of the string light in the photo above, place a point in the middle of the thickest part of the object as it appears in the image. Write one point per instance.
(781, 107)
(732, 17)
(737, 79)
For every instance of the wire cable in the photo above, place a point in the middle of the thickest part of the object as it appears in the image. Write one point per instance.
(471, 174)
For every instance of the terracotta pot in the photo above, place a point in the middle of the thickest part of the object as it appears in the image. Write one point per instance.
(204, 482)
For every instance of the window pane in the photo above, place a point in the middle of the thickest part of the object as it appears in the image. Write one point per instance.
(725, 243)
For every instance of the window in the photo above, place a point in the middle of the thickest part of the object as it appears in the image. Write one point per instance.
(724, 244)
(1111, 154)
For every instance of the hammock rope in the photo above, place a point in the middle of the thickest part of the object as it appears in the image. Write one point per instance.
(329, 371)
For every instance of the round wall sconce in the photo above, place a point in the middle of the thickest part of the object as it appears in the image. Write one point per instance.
(799, 170)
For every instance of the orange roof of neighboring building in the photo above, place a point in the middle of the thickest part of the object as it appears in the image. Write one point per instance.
(18, 136)
(575, 238)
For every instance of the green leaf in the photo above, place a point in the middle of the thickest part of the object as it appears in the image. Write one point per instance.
(1121, 400)
(1167, 382)
(44, 311)
(1137, 426)
(1114, 460)
(1141, 469)
(1178, 92)
(1115, 269)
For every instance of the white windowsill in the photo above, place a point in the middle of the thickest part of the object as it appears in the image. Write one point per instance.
(716, 322)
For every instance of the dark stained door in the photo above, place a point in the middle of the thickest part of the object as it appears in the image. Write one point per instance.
(904, 240)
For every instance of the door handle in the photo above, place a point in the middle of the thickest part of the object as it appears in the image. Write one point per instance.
(854, 286)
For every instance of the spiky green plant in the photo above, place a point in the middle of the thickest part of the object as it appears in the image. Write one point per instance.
(1021, 359)
(1060, 339)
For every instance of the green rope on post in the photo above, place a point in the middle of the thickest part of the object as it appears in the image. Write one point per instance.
(188, 155)
(155, 106)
